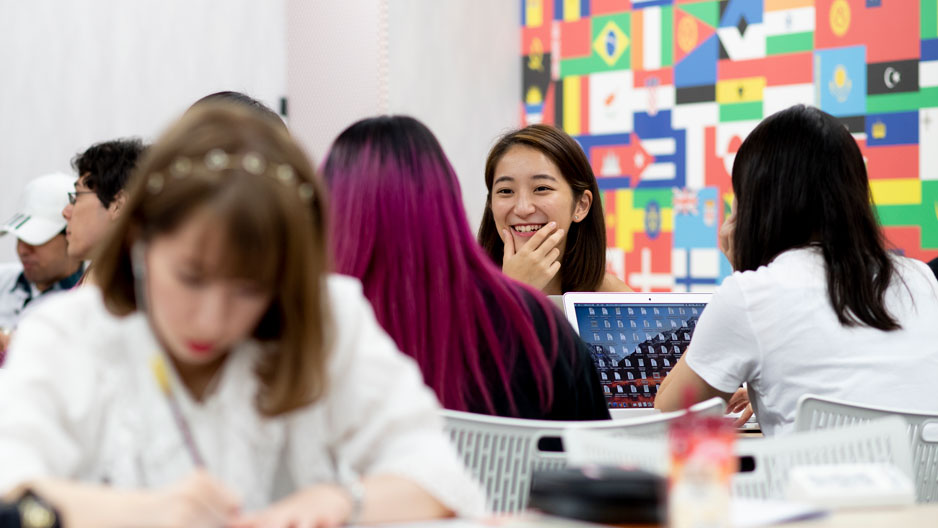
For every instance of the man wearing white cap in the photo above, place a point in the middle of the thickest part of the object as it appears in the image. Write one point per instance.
(44, 265)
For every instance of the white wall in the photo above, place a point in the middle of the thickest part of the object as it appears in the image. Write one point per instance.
(334, 55)
(443, 62)
(80, 71)
(456, 67)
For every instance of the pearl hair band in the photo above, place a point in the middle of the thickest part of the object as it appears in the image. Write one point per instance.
(217, 160)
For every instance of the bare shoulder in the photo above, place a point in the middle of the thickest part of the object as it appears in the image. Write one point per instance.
(611, 283)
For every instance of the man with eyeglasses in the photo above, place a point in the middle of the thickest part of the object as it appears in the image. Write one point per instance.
(44, 264)
(96, 201)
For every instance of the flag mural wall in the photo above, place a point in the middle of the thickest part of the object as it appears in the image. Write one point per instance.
(661, 93)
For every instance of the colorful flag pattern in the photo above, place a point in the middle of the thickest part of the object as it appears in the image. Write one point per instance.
(661, 94)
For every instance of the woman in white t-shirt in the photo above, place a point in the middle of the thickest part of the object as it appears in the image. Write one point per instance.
(221, 376)
(817, 303)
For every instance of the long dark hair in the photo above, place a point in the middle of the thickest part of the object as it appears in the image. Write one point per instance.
(800, 180)
(583, 265)
(398, 225)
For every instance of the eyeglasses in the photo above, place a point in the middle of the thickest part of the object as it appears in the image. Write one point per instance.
(73, 196)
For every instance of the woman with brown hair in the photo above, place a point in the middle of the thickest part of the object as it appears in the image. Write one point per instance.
(222, 373)
(543, 223)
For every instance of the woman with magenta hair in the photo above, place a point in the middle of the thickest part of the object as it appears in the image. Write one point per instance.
(485, 343)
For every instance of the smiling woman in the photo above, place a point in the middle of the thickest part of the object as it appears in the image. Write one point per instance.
(543, 223)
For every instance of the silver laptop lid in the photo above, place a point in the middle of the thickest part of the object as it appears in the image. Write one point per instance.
(557, 300)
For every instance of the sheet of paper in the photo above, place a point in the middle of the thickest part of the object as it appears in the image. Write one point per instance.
(744, 513)
(527, 520)
(749, 513)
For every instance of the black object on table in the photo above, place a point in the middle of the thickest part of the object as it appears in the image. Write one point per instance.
(600, 494)
(29, 511)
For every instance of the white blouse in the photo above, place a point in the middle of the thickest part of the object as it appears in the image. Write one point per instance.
(776, 329)
(78, 399)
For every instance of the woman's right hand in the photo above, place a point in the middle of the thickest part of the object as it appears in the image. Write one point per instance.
(538, 261)
(198, 500)
(740, 403)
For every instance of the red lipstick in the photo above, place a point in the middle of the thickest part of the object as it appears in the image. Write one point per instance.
(200, 348)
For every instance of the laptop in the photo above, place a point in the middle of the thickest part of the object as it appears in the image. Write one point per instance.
(636, 338)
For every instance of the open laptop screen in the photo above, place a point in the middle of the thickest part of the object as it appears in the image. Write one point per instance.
(636, 340)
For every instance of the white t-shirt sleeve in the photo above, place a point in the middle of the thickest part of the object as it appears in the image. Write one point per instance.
(41, 427)
(385, 419)
(724, 350)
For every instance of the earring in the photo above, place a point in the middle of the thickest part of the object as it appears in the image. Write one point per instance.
(575, 217)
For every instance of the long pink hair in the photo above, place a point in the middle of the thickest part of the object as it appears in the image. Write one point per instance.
(398, 225)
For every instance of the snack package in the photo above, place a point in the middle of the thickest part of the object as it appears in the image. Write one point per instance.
(702, 465)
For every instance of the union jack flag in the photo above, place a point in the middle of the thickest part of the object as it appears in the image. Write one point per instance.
(685, 201)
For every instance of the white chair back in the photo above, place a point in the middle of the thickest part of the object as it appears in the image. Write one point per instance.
(815, 412)
(769, 460)
(585, 447)
(765, 462)
(502, 453)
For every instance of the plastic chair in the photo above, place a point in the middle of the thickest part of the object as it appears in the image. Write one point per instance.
(815, 412)
(586, 447)
(502, 453)
(765, 461)
(882, 441)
